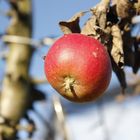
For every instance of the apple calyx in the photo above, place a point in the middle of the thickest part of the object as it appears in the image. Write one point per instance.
(69, 83)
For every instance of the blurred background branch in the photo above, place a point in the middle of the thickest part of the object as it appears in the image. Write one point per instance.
(15, 94)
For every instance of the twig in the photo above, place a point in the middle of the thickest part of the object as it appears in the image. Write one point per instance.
(36, 81)
(27, 41)
(17, 71)
(60, 116)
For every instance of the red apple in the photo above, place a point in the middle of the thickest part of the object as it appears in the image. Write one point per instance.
(78, 67)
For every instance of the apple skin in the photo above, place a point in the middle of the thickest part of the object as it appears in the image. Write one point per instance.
(78, 67)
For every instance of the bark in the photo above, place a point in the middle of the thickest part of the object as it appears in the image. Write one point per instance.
(16, 86)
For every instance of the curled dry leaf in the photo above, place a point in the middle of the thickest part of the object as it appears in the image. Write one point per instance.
(137, 7)
(100, 11)
(72, 25)
(112, 15)
(117, 46)
(105, 35)
(89, 27)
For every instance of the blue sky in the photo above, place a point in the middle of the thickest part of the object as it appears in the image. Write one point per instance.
(47, 14)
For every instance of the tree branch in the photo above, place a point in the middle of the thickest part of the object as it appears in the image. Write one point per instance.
(28, 41)
(36, 81)
(16, 87)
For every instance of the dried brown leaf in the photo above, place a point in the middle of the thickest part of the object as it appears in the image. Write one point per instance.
(100, 11)
(78, 15)
(89, 27)
(137, 7)
(105, 36)
(101, 17)
(124, 8)
(113, 2)
(72, 25)
(117, 46)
